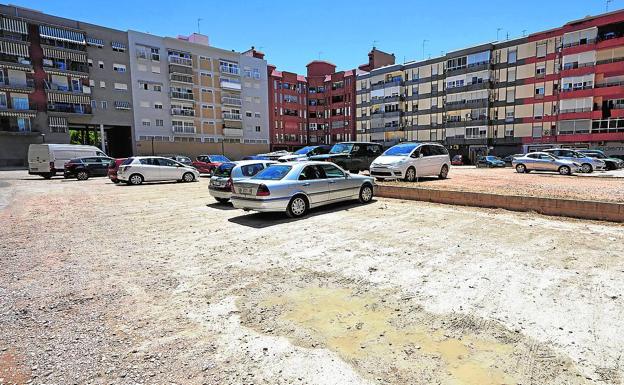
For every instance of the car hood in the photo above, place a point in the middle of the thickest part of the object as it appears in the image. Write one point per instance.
(287, 158)
(389, 159)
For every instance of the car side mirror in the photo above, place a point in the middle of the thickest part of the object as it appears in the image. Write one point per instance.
(421, 155)
(347, 175)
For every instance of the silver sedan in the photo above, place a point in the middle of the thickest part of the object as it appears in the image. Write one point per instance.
(543, 161)
(296, 187)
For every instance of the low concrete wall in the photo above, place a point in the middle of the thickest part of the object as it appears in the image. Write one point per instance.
(607, 211)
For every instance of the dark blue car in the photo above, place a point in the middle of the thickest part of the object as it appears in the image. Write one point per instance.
(490, 161)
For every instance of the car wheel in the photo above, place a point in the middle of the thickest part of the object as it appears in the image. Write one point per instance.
(135, 179)
(410, 174)
(82, 175)
(443, 172)
(564, 170)
(222, 200)
(188, 177)
(297, 207)
(366, 193)
(47, 176)
(521, 168)
(586, 168)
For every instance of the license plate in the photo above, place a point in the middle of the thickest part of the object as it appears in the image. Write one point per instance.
(246, 191)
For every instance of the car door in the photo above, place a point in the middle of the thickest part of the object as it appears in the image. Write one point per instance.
(313, 183)
(340, 186)
(426, 161)
(169, 169)
(102, 165)
(150, 169)
(372, 152)
(549, 162)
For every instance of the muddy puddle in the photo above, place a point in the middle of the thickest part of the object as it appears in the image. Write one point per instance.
(388, 338)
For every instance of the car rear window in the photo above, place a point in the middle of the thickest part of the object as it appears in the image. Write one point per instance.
(250, 170)
(273, 172)
(127, 161)
(224, 170)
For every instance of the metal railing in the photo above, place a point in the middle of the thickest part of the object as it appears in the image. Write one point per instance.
(183, 129)
(232, 101)
(573, 110)
(231, 116)
(181, 95)
(29, 83)
(230, 70)
(181, 61)
(182, 112)
(181, 78)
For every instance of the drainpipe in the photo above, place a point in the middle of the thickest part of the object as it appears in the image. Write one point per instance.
(102, 138)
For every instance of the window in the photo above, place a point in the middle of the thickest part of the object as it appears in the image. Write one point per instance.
(145, 122)
(541, 50)
(20, 102)
(101, 64)
(102, 84)
(257, 114)
(332, 171)
(121, 86)
(512, 56)
(538, 111)
(156, 69)
(539, 91)
(257, 128)
(511, 74)
(157, 87)
(154, 54)
(160, 122)
(537, 131)
(511, 96)
(90, 62)
(145, 86)
(540, 71)
(248, 114)
(144, 103)
(158, 106)
(119, 67)
(3, 100)
(104, 104)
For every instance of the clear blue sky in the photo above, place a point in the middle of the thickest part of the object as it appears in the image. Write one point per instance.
(292, 33)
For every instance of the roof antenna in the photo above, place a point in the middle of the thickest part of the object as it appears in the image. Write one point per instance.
(524, 32)
(198, 28)
(607, 5)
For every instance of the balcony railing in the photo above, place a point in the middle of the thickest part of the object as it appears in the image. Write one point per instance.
(609, 84)
(183, 129)
(183, 61)
(574, 110)
(181, 95)
(584, 87)
(230, 84)
(182, 112)
(231, 101)
(230, 70)
(231, 116)
(28, 83)
(71, 109)
(181, 78)
(580, 42)
(571, 66)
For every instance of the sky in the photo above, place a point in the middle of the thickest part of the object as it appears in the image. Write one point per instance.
(293, 33)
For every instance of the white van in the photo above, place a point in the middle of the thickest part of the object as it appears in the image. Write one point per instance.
(48, 159)
(411, 160)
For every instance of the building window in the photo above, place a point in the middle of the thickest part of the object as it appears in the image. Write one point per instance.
(160, 122)
(145, 86)
(541, 50)
(539, 91)
(145, 122)
(157, 87)
(104, 104)
(102, 84)
(511, 96)
(257, 128)
(91, 83)
(121, 86)
(90, 62)
(511, 74)
(119, 67)
(101, 64)
(540, 71)
(248, 114)
(158, 106)
(155, 54)
(257, 114)
(512, 57)
(156, 69)
(93, 104)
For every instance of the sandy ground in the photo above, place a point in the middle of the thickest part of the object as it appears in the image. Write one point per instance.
(597, 186)
(157, 284)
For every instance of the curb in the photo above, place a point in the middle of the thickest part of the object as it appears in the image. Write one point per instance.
(602, 211)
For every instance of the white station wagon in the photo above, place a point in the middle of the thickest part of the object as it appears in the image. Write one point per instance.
(139, 169)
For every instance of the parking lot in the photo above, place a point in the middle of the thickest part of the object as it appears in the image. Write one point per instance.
(597, 186)
(158, 283)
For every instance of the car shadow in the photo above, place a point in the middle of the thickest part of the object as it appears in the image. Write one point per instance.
(221, 206)
(259, 220)
(124, 184)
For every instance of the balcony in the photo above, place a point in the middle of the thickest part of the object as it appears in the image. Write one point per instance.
(231, 131)
(18, 85)
(183, 61)
(229, 70)
(182, 112)
(182, 70)
(231, 116)
(183, 129)
(188, 79)
(181, 95)
(80, 109)
(227, 100)
(230, 84)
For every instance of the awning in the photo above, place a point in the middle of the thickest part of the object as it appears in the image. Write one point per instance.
(118, 45)
(73, 74)
(14, 48)
(17, 114)
(58, 97)
(56, 53)
(95, 42)
(14, 25)
(58, 122)
(15, 66)
(121, 105)
(61, 34)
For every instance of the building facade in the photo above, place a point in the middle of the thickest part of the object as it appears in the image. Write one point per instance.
(193, 99)
(49, 84)
(561, 87)
(318, 108)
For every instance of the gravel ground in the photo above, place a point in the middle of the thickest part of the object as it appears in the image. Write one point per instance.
(598, 186)
(157, 284)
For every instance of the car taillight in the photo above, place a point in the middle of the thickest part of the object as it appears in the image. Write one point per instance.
(229, 185)
(263, 191)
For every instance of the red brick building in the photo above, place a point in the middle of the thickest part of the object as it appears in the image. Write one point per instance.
(318, 108)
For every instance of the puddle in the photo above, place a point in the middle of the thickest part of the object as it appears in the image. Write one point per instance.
(395, 341)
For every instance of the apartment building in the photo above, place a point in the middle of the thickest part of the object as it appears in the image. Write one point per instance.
(47, 83)
(562, 87)
(318, 108)
(192, 98)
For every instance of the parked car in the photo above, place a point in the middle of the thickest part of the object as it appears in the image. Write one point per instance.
(275, 155)
(296, 187)
(611, 163)
(412, 160)
(48, 159)
(112, 169)
(305, 152)
(84, 168)
(490, 161)
(206, 164)
(509, 158)
(180, 158)
(256, 157)
(588, 164)
(352, 156)
(544, 161)
(226, 174)
(139, 169)
(458, 160)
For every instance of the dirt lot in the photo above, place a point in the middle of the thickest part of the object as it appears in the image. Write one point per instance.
(598, 186)
(157, 284)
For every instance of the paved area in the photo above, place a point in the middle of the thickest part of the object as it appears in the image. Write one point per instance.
(599, 186)
(111, 284)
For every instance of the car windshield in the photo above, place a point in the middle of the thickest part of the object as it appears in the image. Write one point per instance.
(224, 170)
(401, 149)
(490, 157)
(305, 150)
(273, 172)
(341, 148)
(219, 158)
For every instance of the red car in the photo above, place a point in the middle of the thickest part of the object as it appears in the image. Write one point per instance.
(112, 170)
(206, 164)
(457, 160)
